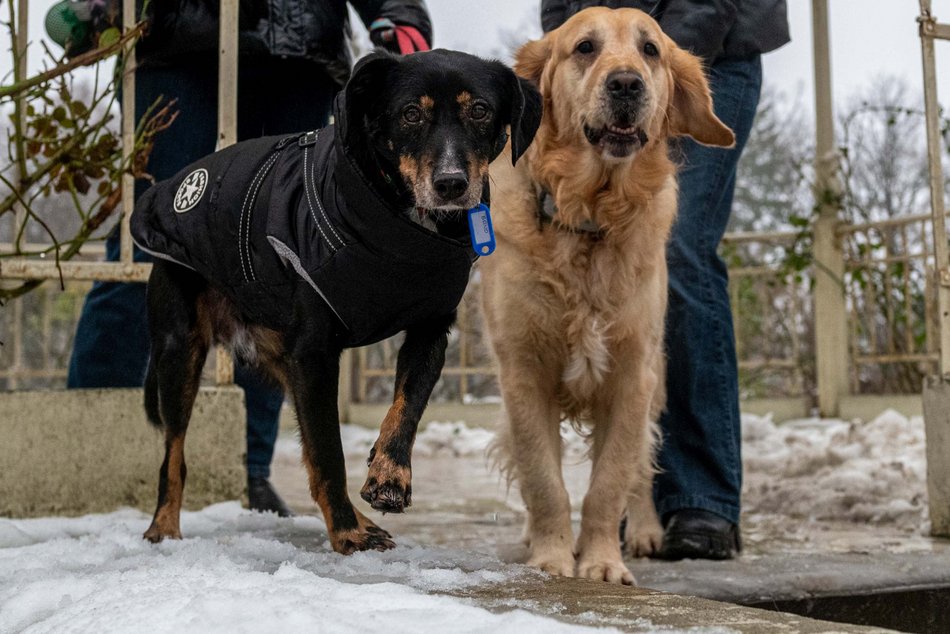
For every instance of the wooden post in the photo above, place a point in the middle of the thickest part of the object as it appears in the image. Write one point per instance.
(936, 396)
(831, 318)
(129, 121)
(19, 215)
(227, 128)
(22, 39)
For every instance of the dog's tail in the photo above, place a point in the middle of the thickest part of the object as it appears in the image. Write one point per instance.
(151, 394)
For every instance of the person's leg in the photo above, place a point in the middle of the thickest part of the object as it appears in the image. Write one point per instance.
(700, 458)
(110, 348)
(111, 343)
(263, 400)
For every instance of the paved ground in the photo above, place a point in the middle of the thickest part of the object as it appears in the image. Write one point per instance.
(461, 502)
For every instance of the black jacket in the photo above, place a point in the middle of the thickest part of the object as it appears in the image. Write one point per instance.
(260, 216)
(311, 29)
(712, 29)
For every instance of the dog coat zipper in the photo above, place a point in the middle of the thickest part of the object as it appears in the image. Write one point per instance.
(480, 229)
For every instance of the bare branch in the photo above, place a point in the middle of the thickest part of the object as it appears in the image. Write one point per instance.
(86, 59)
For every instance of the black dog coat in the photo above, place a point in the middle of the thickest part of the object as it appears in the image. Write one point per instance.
(255, 216)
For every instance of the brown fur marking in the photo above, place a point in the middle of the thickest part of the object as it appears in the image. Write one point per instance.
(388, 485)
(166, 523)
(367, 535)
(409, 168)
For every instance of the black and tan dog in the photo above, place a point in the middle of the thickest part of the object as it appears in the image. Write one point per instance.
(291, 249)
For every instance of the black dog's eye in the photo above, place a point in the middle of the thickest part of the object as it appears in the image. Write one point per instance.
(479, 111)
(585, 48)
(650, 50)
(412, 114)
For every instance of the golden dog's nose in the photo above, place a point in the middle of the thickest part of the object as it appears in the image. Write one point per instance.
(625, 84)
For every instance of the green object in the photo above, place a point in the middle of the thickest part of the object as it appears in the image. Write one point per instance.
(68, 24)
(109, 37)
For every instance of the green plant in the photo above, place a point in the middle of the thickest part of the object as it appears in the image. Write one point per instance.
(64, 144)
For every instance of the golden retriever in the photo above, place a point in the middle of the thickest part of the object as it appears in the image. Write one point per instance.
(575, 296)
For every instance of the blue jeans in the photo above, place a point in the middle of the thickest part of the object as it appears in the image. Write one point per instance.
(700, 459)
(111, 346)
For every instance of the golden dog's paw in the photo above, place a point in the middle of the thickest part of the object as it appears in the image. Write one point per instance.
(553, 563)
(388, 486)
(367, 536)
(609, 570)
(643, 539)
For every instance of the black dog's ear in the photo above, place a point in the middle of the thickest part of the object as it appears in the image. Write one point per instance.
(363, 89)
(526, 111)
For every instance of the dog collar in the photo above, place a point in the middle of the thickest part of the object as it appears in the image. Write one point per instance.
(547, 215)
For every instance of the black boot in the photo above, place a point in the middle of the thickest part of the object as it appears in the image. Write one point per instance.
(263, 498)
(698, 534)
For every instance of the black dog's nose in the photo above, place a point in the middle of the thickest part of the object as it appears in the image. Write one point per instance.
(450, 186)
(624, 84)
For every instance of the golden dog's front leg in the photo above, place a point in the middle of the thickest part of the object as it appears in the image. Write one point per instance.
(533, 441)
(644, 533)
(622, 450)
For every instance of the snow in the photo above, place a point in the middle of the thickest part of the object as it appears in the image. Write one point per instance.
(440, 439)
(835, 470)
(814, 469)
(236, 571)
(820, 469)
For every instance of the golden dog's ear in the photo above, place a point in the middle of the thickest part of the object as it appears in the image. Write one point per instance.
(691, 108)
(531, 59)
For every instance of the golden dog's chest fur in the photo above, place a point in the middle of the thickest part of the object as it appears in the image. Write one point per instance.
(576, 320)
(585, 297)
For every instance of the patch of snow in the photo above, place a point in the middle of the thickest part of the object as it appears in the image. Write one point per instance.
(236, 571)
(837, 470)
(815, 469)
(469, 399)
(454, 439)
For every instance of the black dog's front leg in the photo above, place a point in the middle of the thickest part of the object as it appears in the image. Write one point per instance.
(388, 485)
(314, 374)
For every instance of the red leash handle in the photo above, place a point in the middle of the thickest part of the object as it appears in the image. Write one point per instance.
(402, 39)
(410, 40)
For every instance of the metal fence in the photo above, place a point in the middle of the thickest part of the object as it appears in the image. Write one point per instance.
(890, 314)
(890, 319)
(891, 303)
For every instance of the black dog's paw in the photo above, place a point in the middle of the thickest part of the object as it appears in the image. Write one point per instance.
(160, 530)
(390, 495)
(367, 536)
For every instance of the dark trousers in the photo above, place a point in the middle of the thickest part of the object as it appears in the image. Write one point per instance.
(700, 459)
(275, 96)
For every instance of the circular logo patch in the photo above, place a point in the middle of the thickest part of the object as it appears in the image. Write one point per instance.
(191, 190)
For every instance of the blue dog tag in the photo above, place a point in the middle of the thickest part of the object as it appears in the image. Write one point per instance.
(480, 229)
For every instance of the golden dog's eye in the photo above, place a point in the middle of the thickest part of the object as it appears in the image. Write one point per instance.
(585, 48)
(412, 114)
(650, 50)
(479, 111)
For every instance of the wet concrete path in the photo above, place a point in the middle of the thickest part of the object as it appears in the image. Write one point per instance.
(460, 502)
